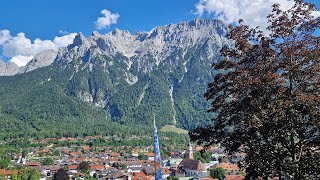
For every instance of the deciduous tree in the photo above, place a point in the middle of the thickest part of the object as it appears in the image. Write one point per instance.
(84, 166)
(219, 173)
(48, 161)
(61, 174)
(267, 96)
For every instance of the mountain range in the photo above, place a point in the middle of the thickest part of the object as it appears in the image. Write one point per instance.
(100, 82)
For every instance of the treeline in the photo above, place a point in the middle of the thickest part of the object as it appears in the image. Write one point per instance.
(58, 100)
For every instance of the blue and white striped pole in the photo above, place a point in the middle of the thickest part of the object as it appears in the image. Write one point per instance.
(157, 157)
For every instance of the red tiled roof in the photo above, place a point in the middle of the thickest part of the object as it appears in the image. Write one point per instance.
(113, 159)
(86, 148)
(8, 172)
(72, 154)
(97, 167)
(192, 164)
(234, 177)
(228, 166)
(81, 159)
(72, 167)
(140, 176)
(149, 154)
(166, 171)
(113, 154)
(115, 175)
(33, 163)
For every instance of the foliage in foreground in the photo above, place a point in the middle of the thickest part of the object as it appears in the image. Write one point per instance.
(268, 96)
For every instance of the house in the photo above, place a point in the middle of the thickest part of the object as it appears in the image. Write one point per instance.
(202, 176)
(173, 161)
(33, 164)
(149, 171)
(97, 167)
(50, 170)
(211, 164)
(149, 156)
(117, 176)
(232, 169)
(165, 173)
(133, 164)
(134, 169)
(114, 154)
(234, 177)
(7, 174)
(190, 167)
(140, 176)
(73, 169)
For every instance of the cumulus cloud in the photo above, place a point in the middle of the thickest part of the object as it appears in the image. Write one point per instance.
(107, 20)
(4, 36)
(253, 12)
(64, 41)
(21, 49)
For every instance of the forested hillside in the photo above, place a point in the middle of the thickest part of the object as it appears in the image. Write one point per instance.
(98, 86)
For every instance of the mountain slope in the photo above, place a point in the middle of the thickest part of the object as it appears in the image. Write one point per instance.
(121, 78)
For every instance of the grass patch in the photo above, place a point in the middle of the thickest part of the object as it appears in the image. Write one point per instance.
(170, 128)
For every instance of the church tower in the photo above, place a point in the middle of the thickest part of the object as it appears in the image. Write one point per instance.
(189, 151)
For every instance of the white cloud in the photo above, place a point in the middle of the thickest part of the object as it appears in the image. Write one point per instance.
(4, 36)
(21, 49)
(107, 20)
(253, 12)
(64, 41)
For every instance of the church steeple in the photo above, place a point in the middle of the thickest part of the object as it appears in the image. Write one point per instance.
(157, 157)
(189, 151)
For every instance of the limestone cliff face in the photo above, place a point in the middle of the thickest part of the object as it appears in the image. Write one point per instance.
(139, 48)
(42, 59)
(165, 71)
(8, 69)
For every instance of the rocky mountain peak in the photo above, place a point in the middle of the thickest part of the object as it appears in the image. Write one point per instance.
(42, 59)
(95, 34)
(8, 68)
(118, 32)
(125, 74)
(79, 40)
(158, 44)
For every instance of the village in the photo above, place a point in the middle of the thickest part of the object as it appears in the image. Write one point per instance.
(121, 162)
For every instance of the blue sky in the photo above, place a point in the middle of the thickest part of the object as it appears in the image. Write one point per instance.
(44, 18)
(55, 22)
